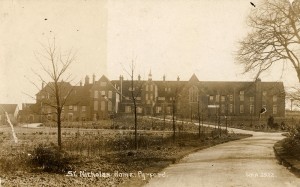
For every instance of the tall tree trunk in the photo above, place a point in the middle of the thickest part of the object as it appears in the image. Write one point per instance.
(199, 127)
(135, 126)
(173, 117)
(59, 131)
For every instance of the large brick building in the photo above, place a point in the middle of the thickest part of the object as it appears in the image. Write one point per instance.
(100, 99)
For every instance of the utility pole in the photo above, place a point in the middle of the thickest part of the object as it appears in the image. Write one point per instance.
(199, 127)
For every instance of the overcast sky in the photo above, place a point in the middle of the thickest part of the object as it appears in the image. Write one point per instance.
(175, 38)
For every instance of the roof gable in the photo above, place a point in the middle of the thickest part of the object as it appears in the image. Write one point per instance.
(9, 108)
(194, 78)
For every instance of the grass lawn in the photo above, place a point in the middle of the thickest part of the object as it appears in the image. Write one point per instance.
(102, 157)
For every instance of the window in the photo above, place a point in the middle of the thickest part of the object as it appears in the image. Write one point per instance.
(241, 109)
(139, 110)
(131, 89)
(103, 93)
(95, 94)
(274, 98)
(231, 108)
(158, 109)
(166, 89)
(168, 110)
(151, 88)
(169, 89)
(109, 106)
(109, 94)
(274, 109)
(161, 98)
(147, 88)
(70, 107)
(151, 97)
(83, 109)
(138, 98)
(264, 93)
(127, 109)
(231, 97)
(251, 109)
(75, 108)
(242, 97)
(102, 105)
(96, 105)
(193, 94)
(211, 98)
(70, 117)
(223, 98)
(222, 108)
(127, 98)
(251, 99)
(103, 83)
(147, 97)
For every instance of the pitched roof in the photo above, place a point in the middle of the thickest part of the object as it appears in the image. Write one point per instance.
(194, 78)
(223, 87)
(80, 95)
(49, 88)
(9, 108)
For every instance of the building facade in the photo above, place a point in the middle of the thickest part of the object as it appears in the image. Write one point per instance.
(104, 98)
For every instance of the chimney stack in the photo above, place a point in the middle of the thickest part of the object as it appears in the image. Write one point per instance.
(139, 77)
(94, 77)
(150, 76)
(87, 80)
(80, 82)
(178, 79)
(164, 78)
(121, 85)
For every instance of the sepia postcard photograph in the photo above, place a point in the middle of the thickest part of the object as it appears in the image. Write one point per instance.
(150, 93)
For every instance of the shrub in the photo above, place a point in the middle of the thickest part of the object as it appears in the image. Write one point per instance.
(50, 159)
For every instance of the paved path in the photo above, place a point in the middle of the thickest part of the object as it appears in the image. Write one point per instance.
(32, 125)
(247, 162)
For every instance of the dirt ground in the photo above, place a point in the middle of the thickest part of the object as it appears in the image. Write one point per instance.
(124, 167)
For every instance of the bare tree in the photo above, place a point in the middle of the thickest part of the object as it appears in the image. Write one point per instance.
(274, 37)
(54, 65)
(175, 98)
(136, 90)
